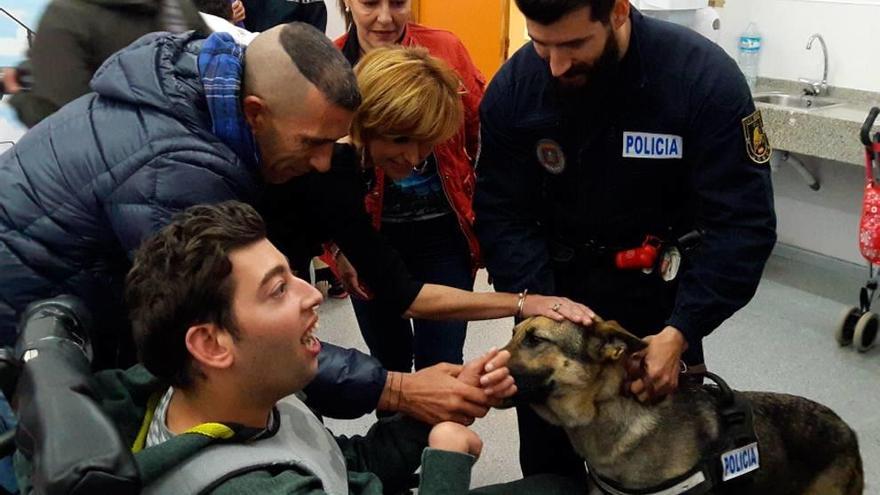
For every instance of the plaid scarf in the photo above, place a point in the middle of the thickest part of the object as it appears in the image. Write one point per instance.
(221, 66)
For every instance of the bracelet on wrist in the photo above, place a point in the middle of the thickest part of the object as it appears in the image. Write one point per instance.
(521, 302)
(399, 391)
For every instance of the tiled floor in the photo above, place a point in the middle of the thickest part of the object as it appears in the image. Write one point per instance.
(782, 341)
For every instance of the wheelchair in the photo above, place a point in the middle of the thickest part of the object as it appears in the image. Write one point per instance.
(73, 446)
(859, 325)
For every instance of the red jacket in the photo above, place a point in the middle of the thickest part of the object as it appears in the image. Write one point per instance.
(455, 157)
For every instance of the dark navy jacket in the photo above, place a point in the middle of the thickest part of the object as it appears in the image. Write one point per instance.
(615, 183)
(82, 189)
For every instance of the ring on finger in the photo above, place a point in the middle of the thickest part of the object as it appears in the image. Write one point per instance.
(556, 307)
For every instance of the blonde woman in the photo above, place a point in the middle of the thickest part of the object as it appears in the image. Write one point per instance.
(411, 104)
(375, 24)
(416, 264)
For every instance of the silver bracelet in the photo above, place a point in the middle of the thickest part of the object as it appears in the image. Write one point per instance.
(520, 302)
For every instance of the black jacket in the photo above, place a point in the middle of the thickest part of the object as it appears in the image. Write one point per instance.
(665, 150)
(320, 207)
(262, 15)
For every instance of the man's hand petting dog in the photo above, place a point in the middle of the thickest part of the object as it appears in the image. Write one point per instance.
(449, 392)
(653, 372)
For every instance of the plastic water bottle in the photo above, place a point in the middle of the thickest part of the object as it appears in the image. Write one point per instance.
(749, 53)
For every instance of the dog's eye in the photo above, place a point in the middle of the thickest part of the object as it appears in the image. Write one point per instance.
(532, 340)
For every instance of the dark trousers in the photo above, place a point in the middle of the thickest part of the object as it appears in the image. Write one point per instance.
(435, 252)
(641, 303)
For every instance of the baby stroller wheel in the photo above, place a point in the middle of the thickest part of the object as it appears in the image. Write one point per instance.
(866, 331)
(846, 325)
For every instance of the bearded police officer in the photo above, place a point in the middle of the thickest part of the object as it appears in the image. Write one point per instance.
(623, 165)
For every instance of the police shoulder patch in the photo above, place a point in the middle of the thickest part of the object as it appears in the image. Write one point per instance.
(757, 144)
(550, 156)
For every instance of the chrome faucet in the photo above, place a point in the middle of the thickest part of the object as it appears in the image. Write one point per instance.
(816, 88)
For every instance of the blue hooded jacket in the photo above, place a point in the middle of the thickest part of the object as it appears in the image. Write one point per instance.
(81, 190)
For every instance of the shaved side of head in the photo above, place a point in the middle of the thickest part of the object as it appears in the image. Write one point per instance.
(270, 74)
(285, 62)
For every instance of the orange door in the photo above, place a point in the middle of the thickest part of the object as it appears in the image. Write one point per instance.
(481, 24)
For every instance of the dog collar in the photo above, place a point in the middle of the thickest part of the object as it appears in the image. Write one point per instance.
(695, 482)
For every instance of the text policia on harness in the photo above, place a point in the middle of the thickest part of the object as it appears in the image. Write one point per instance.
(725, 466)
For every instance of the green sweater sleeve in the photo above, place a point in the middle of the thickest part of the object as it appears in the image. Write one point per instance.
(444, 472)
(290, 481)
(293, 481)
(391, 450)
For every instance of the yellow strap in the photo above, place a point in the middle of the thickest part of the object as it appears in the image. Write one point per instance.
(212, 430)
(141, 438)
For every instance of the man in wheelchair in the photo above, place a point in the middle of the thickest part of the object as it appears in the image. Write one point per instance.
(226, 336)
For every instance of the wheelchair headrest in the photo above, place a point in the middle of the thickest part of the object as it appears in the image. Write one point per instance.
(62, 317)
(74, 447)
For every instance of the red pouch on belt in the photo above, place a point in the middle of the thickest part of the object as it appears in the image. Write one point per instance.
(641, 258)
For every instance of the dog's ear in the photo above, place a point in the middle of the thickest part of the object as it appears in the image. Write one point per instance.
(613, 350)
(612, 331)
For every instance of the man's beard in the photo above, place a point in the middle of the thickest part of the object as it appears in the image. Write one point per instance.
(582, 80)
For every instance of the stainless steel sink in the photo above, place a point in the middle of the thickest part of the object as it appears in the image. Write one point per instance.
(801, 102)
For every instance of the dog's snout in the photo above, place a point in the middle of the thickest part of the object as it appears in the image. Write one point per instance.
(533, 387)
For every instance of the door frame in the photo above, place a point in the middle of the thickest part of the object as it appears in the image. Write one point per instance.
(505, 25)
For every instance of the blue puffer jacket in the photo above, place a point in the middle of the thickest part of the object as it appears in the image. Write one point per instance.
(81, 190)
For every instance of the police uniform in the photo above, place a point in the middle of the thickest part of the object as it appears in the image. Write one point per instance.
(670, 146)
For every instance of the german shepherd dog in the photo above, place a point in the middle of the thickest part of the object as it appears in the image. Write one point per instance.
(573, 377)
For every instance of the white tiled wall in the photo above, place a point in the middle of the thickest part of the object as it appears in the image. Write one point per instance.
(851, 29)
(824, 221)
(335, 23)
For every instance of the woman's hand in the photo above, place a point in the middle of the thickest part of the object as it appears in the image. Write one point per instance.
(557, 308)
(349, 277)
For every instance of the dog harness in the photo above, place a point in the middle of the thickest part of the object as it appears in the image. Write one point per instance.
(727, 463)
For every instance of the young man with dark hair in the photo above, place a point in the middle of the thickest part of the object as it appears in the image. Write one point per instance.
(227, 333)
(179, 120)
(219, 315)
(623, 164)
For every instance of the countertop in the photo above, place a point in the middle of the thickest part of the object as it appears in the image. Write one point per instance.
(831, 133)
